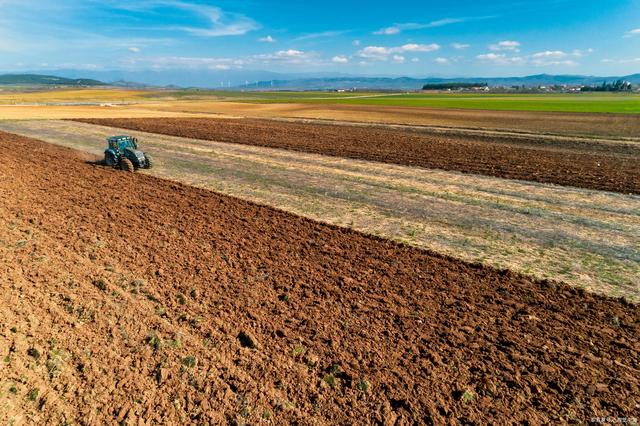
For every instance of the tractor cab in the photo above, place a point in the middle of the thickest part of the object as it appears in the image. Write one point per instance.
(121, 143)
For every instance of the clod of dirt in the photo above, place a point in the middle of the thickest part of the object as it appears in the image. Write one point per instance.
(101, 284)
(33, 353)
(247, 340)
(311, 359)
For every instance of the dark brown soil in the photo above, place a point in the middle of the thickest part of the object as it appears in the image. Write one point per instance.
(562, 123)
(179, 305)
(595, 165)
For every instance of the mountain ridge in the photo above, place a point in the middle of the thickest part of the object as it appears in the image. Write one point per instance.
(264, 80)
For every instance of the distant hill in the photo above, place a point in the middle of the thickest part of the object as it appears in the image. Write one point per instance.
(47, 80)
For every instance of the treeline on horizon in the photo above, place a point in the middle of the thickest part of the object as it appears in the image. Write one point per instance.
(452, 86)
(616, 86)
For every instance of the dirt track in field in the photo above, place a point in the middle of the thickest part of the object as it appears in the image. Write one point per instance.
(595, 165)
(134, 292)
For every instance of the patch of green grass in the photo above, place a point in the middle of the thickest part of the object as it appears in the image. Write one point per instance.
(181, 299)
(173, 343)
(154, 341)
(298, 350)
(467, 397)
(189, 361)
(330, 380)
(363, 386)
(33, 394)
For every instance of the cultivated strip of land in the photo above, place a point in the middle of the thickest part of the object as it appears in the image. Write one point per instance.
(587, 238)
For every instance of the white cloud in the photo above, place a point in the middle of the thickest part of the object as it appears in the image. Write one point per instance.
(267, 39)
(388, 31)
(492, 56)
(290, 56)
(398, 28)
(375, 52)
(501, 59)
(356, 43)
(580, 53)
(550, 54)
(412, 47)
(547, 63)
(539, 59)
(633, 32)
(291, 53)
(621, 61)
(442, 61)
(509, 45)
(383, 53)
(415, 60)
(340, 59)
(399, 59)
(221, 23)
(460, 45)
(134, 49)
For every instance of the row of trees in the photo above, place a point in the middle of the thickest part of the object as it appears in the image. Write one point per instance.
(616, 86)
(452, 86)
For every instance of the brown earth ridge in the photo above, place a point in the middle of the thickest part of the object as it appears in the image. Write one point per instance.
(594, 165)
(148, 299)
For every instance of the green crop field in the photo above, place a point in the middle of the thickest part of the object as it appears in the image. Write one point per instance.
(625, 103)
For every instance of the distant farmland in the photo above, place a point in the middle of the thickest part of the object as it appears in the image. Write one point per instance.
(582, 102)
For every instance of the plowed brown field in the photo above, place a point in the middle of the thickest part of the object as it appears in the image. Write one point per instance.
(596, 165)
(125, 297)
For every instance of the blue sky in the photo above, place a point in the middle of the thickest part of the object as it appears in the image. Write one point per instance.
(416, 38)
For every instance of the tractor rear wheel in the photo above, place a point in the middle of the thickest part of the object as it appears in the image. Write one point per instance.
(127, 165)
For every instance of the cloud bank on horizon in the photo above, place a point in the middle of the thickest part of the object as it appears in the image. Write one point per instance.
(460, 38)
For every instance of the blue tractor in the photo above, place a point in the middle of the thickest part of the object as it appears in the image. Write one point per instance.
(123, 153)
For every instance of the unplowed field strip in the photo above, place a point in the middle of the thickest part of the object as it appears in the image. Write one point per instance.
(135, 291)
(604, 167)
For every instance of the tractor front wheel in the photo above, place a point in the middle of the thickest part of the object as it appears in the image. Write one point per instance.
(127, 165)
(148, 162)
(109, 160)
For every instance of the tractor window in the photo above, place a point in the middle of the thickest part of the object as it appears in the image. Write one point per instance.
(126, 143)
